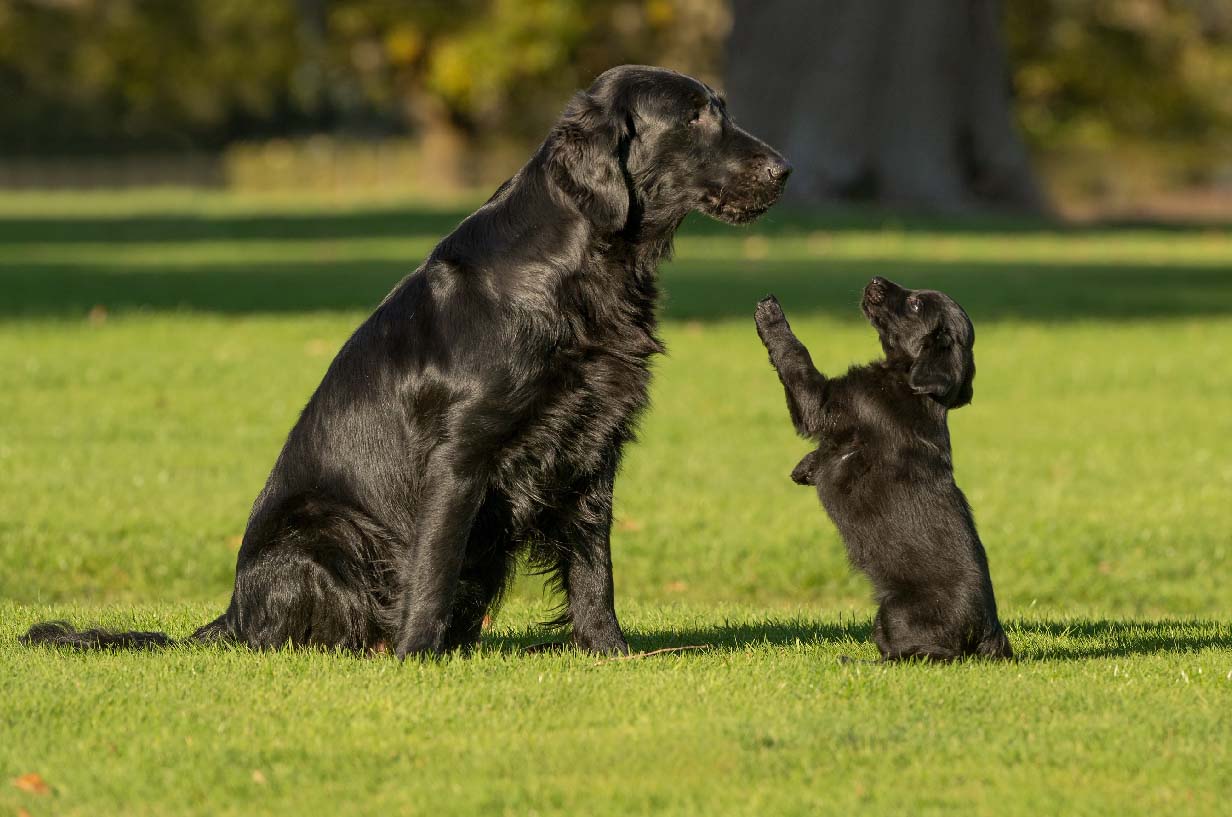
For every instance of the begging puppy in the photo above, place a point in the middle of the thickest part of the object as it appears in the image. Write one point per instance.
(884, 473)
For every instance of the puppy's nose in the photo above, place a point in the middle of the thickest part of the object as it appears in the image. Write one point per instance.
(778, 169)
(874, 293)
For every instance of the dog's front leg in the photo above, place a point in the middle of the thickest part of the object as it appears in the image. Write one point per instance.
(581, 534)
(430, 568)
(804, 385)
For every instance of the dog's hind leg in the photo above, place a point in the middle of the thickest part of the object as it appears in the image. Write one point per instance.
(303, 594)
(310, 579)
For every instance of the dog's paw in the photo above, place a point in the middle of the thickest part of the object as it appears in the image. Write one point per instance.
(601, 643)
(768, 312)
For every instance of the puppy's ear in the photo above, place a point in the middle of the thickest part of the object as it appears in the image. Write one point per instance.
(945, 368)
(805, 471)
(587, 151)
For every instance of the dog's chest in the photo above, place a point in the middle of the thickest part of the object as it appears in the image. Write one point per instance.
(584, 407)
(587, 386)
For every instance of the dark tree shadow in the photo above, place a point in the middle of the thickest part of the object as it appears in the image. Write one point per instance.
(695, 289)
(153, 228)
(408, 220)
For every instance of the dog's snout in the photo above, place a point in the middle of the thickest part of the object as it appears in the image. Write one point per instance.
(778, 169)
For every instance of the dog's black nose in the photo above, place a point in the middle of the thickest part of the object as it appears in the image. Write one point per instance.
(778, 169)
(875, 292)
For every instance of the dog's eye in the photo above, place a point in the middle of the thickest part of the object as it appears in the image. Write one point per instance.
(913, 304)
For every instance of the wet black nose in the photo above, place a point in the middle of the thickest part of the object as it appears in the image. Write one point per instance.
(778, 169)
(874, 293)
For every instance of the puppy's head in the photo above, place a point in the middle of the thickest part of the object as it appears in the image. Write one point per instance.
(653, 144)
(928, 331)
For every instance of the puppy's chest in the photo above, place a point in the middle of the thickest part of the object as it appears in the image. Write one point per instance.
(862, 429)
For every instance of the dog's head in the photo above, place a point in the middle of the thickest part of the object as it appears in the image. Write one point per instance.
(652, 145)
(928, 331)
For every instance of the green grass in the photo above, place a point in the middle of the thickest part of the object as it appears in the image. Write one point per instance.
(156, 348)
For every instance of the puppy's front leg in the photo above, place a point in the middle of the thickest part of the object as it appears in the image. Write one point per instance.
(804, 385)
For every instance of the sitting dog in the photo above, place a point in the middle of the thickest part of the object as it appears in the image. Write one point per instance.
(884, 473)
(482, 409)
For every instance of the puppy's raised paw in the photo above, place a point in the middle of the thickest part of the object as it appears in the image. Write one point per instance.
(768, 313)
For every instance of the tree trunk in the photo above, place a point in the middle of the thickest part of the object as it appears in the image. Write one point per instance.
(904, 102)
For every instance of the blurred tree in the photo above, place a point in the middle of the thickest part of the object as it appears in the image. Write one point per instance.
(79, 75)
(476, 66)
(96, 74)
(900, 102)
(1096, 73)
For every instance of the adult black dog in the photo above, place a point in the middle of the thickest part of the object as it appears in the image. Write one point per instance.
(484, 405)
(884, 472)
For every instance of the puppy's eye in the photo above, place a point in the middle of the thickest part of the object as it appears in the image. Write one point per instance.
(913, 304)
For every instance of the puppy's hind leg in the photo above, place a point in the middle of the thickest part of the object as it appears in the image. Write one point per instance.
(804, 385)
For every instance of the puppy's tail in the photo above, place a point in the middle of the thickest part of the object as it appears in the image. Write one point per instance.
(63, 634)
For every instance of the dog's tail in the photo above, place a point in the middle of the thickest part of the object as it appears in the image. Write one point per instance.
(63, 634)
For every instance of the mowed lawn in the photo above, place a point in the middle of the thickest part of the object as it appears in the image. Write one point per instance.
(155, 349)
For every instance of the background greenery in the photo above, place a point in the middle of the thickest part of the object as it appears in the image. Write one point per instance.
(157, 347)
(1106, 89)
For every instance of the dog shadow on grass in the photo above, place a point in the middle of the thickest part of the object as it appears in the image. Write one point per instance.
(734, 636)
(1033, 640)
(1079, 639)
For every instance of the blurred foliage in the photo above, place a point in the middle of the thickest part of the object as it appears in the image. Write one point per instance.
(106, 75)
(1092, 74)
(85, 74)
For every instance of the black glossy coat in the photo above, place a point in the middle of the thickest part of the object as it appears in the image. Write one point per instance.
(483, 407)
(884, 472)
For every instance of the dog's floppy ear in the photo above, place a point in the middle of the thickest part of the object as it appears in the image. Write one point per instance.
(944, 368)
(586, 157)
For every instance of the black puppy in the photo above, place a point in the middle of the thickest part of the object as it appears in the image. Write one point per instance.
(483, 407)
(884, 473)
